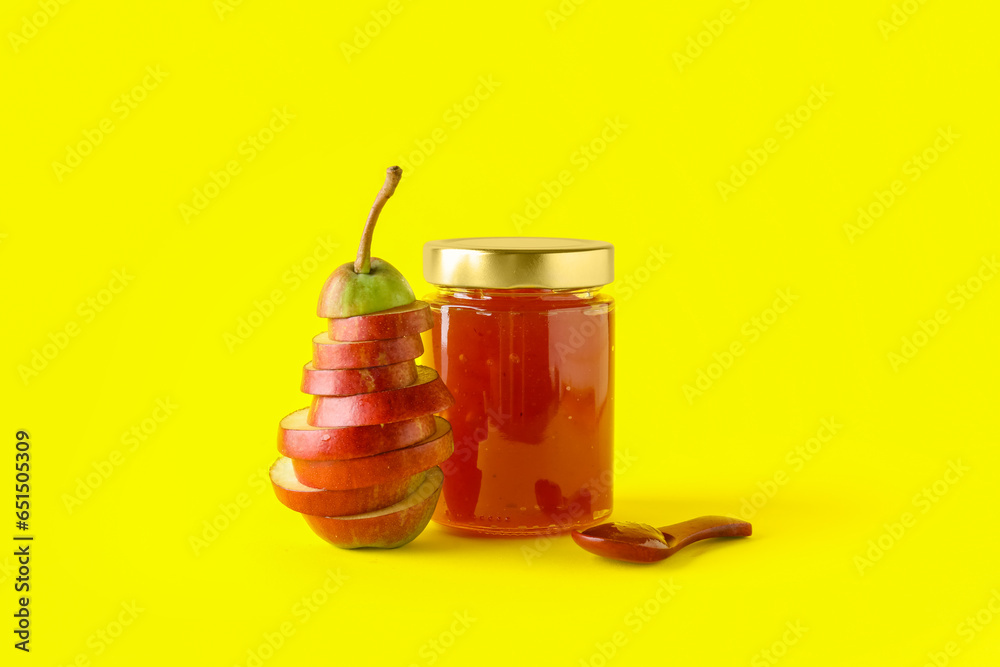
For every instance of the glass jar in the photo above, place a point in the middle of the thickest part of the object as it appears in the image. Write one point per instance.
(524, 339)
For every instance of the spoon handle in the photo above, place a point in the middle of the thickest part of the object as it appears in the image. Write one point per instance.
(679, 535)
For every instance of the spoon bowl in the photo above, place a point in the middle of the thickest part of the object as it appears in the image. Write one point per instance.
(643, 543)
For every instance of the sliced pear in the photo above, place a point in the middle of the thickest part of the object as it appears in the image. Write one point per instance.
(385, 528)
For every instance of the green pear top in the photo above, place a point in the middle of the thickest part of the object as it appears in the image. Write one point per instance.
(369, 284)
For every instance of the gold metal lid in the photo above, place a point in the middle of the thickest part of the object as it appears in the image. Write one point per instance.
(513, 262)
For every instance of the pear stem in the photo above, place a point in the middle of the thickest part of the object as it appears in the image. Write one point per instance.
(363, 263)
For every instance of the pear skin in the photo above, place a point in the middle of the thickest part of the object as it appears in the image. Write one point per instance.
(387, 528)
(347, 294)
(369, 284)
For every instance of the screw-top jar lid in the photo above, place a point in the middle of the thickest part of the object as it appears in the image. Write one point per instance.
(514, 262)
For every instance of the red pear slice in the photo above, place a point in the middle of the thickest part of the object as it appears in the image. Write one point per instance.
(386, 528)
(427, 395)
(329, 353)
(350, 381)
(378, 469)
(413, 318)
(298, 440)
(301, 498)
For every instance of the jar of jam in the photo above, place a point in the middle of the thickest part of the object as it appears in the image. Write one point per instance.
(524, 339)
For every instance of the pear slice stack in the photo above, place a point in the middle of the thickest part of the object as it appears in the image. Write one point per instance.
(361, 462)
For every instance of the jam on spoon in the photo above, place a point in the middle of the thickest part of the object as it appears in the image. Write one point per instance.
(642, 543)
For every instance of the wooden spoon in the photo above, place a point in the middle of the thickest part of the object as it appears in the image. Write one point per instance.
(642, 543)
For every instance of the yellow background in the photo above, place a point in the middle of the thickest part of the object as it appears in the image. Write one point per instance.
(556, 83)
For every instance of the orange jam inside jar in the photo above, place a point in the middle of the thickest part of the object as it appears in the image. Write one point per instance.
(524, 339)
